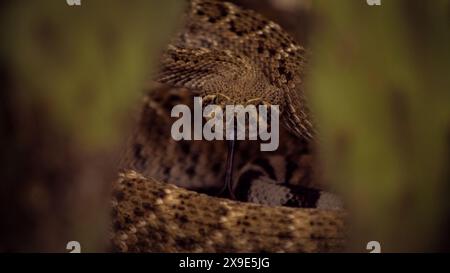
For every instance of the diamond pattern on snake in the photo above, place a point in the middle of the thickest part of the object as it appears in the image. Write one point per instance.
(228, 55)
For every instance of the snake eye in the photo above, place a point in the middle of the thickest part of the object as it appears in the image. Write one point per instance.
(256, 102)
(265, 103)
(209, 99)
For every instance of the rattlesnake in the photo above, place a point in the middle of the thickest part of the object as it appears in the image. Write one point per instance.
(220, 41)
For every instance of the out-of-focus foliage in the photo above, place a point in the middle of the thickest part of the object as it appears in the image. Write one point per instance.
(380, 88)
(85, 63)
(69, 75)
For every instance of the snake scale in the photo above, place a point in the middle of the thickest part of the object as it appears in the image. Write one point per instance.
(236, 56)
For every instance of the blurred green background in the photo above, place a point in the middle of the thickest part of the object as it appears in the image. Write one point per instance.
(380, 88)
(71, 75)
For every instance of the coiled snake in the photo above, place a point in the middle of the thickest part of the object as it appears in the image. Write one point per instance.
(229, 51)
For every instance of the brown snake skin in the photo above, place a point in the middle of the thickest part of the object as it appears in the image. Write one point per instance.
(219, 43)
